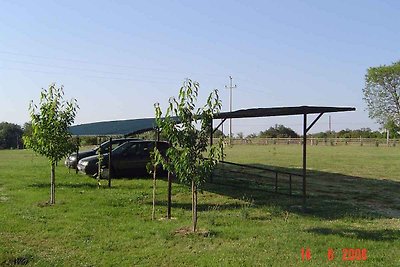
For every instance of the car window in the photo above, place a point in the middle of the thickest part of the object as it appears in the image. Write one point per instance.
(146, 148)
(106, 149)
(133, 150)
(103, 147)
(142, 149)
(115, 145)
(122, 148)
(120, 142)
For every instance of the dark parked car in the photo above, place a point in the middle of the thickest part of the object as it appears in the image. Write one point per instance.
(72, 159)
(128, 159)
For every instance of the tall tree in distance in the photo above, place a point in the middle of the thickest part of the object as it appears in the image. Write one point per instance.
(50, 122)
(27, 128)
(382, 93)
(188, 128)
(279, 131)
(10, 135)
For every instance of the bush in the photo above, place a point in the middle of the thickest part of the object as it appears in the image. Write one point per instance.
(88, 140)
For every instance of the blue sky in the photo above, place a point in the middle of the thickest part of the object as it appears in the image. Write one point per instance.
(131, 54)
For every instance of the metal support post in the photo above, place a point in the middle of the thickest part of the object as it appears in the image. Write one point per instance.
(304, 157)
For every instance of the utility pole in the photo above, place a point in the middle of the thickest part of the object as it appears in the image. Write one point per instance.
(330, 125)
(230, 107)
(387, 137)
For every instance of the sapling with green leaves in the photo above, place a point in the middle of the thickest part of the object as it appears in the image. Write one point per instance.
(50, 122)
(156, 160)
(188, 128)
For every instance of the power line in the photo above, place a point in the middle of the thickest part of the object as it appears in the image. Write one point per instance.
(166, 70)
(80, 69)
(88, 76)
(330, 124)
(126, 67)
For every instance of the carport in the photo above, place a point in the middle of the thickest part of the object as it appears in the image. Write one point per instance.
(304, 111)
(111, 129)
(118, 128)
(134, 126)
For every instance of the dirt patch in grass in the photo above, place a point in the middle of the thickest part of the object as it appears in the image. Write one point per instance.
(166, 219)
(43, 204)
(47, 204)
(184, 231)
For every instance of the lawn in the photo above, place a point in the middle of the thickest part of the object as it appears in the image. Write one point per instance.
(354, 195)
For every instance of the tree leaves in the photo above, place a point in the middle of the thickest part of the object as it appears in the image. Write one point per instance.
(190, 157)
(382, 93)
(50, 123)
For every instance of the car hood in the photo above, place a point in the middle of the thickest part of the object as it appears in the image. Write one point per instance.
(91, 158)
(86, 153)
(83, 154)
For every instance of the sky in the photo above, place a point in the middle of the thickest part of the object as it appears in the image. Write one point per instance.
(118, 58)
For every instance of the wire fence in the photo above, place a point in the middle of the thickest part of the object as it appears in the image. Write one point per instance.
(316, 141)
(259, 177)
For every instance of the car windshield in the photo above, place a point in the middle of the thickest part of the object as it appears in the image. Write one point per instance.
(120, 149)
(104, 147)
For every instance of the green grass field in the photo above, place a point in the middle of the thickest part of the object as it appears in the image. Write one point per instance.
(354, 202)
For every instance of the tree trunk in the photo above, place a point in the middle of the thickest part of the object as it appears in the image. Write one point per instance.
(169, 195)
(109, 162)
(194, 206)
(99, 169)
(53, 184)
(153, 214)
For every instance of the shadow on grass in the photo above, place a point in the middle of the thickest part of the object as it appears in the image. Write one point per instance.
(329, 195)
(93, 182)
(373, 235)
(200, 206)
(69, 185)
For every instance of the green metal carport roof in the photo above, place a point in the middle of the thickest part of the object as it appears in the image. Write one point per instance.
(135, 126)
(113, 128)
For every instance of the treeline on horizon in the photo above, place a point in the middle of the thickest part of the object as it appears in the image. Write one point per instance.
(11, 134)
(280, 131)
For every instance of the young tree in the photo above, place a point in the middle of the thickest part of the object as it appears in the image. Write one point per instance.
(190, 157)
(50, 122)
(382, 93)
